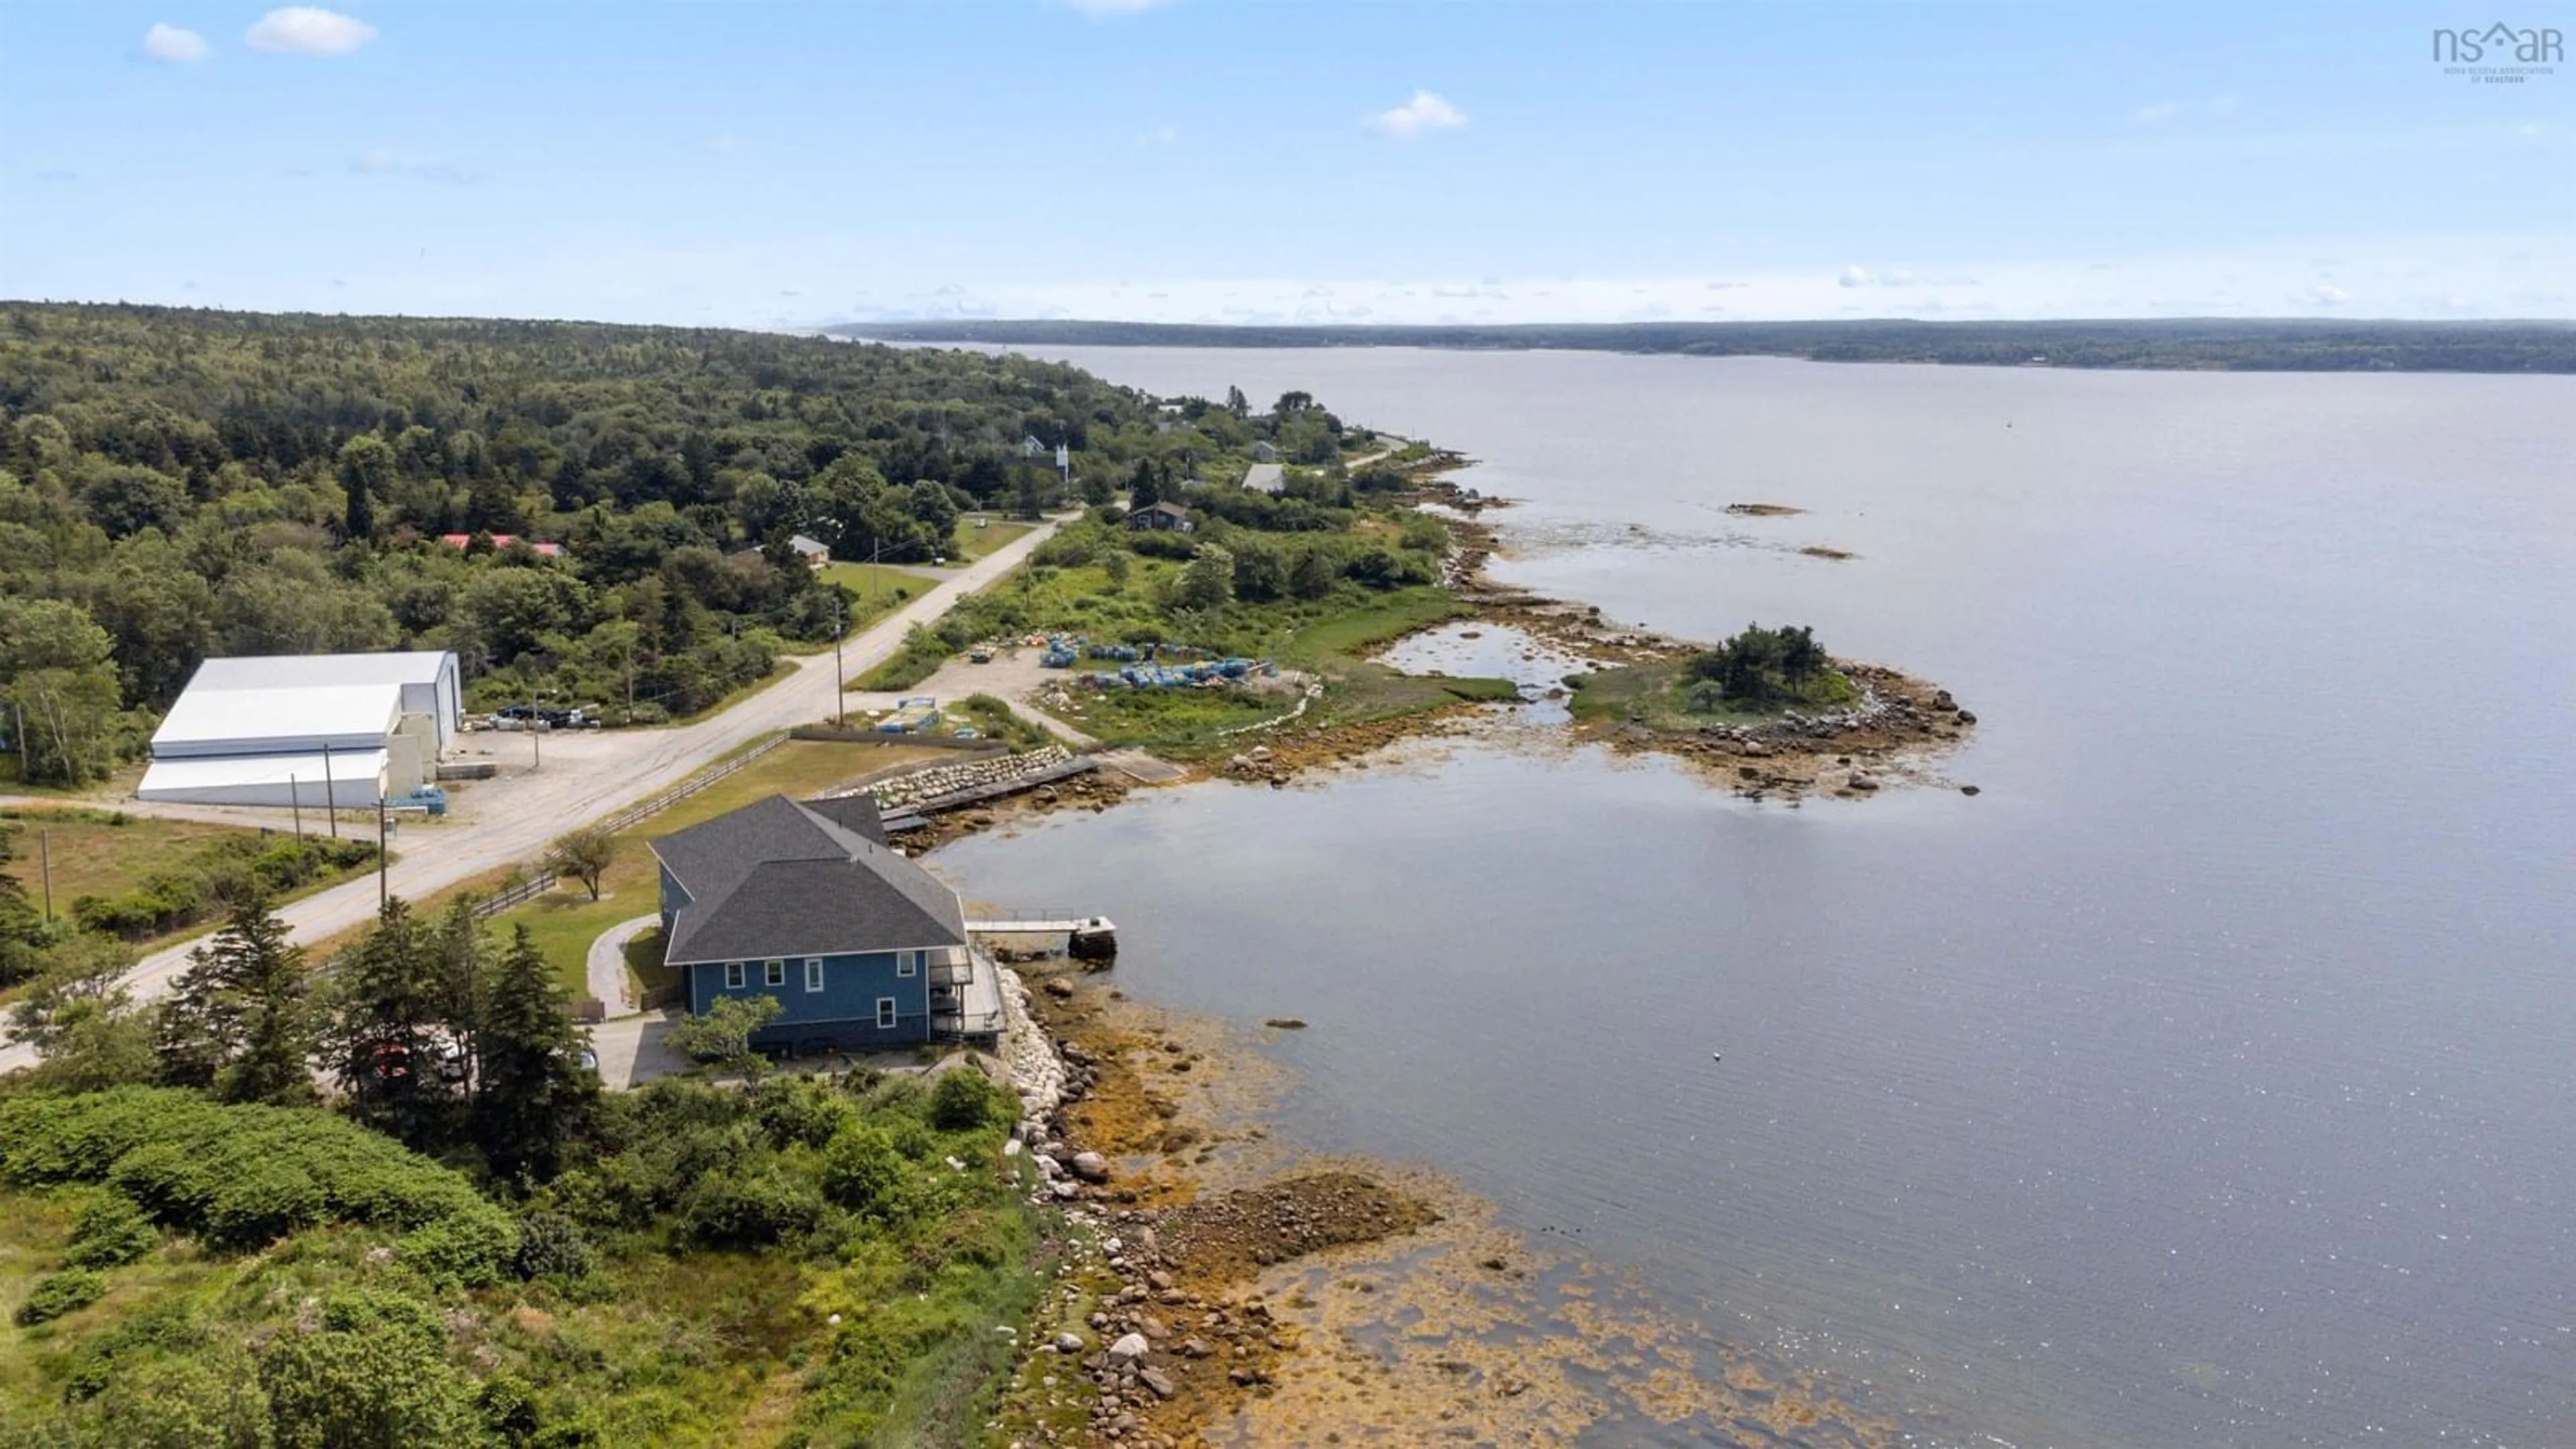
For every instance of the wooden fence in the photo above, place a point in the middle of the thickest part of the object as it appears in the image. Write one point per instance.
(529, 890)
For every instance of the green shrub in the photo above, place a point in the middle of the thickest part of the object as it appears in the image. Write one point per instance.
(110, 1230)
(237, 1175)
(965, 1100)
(551, 1247)
(862, 1169)
(56, 1294)
(798, 1109)
(195, 1398)
(373, 1375)
(741, 1210)
(471, 1250)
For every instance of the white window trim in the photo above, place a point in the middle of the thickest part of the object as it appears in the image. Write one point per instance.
(813, 973)
(907, 963)
(885, 1013)
(773, 973)
(736, 974)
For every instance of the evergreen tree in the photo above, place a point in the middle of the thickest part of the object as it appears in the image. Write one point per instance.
(382, 1038)
(366, 468)
(1313, 575)
(240, 1019)
(459, 964)
(535, 1094)
(1144, 489)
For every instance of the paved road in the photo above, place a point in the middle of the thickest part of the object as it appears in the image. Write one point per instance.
(585, 776)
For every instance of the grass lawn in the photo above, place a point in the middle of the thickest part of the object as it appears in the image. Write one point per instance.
(565, 922)
(874, 592)
(973, 543)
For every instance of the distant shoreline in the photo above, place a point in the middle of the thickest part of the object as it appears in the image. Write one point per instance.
(2195, 344)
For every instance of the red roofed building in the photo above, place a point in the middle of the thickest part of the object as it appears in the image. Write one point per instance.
(503, 540)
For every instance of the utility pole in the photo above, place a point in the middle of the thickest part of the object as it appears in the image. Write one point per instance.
(840, 686)
(295, 799)
(381, 889)
(330, 795)
(45, 856)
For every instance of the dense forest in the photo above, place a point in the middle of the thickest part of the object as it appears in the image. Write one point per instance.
(2254, 345)
(175, 484)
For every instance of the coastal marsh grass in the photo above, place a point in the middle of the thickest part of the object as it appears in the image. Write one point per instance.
(1662, 696)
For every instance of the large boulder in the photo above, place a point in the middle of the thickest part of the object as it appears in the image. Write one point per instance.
(1128, 1349)
(1091, 1167)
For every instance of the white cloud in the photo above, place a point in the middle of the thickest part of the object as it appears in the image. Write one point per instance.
(1112, 9)
(1897, 278)
(1853, 277)
(2328, 294)
(1159, 136)
(170, 43)
(2155, 113)
(308, 30)
(1425, 112)
(723, 143)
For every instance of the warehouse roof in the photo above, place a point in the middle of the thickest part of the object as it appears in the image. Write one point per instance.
(291, 671)
(268, 721)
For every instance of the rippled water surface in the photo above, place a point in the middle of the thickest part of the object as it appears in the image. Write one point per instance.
(2206, 1080)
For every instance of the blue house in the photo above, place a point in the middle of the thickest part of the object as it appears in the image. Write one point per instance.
(804, 902)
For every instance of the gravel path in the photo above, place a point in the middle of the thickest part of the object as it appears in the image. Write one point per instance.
(607, 963)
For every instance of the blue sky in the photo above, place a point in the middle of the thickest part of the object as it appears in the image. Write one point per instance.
(1213, 160)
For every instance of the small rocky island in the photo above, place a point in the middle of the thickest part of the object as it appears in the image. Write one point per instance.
(1775, 710)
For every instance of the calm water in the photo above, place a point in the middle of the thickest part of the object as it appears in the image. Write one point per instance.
(2210, 1079)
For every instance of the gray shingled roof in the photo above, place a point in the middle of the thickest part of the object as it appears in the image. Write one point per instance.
(777, 878)
(852, 812)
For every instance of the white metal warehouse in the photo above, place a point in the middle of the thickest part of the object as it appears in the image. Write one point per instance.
(348, 728)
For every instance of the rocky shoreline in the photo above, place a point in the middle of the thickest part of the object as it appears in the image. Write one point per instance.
(1207, 1286)
(1152, 1330)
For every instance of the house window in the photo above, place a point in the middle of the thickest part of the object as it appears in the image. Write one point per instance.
(885, 1013)
(813, 973)
(776, 974)
(907, 963)
(733, 975)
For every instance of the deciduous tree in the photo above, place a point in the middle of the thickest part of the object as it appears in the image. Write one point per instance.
(1207, 583)
(56, 676)
(584, 854)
